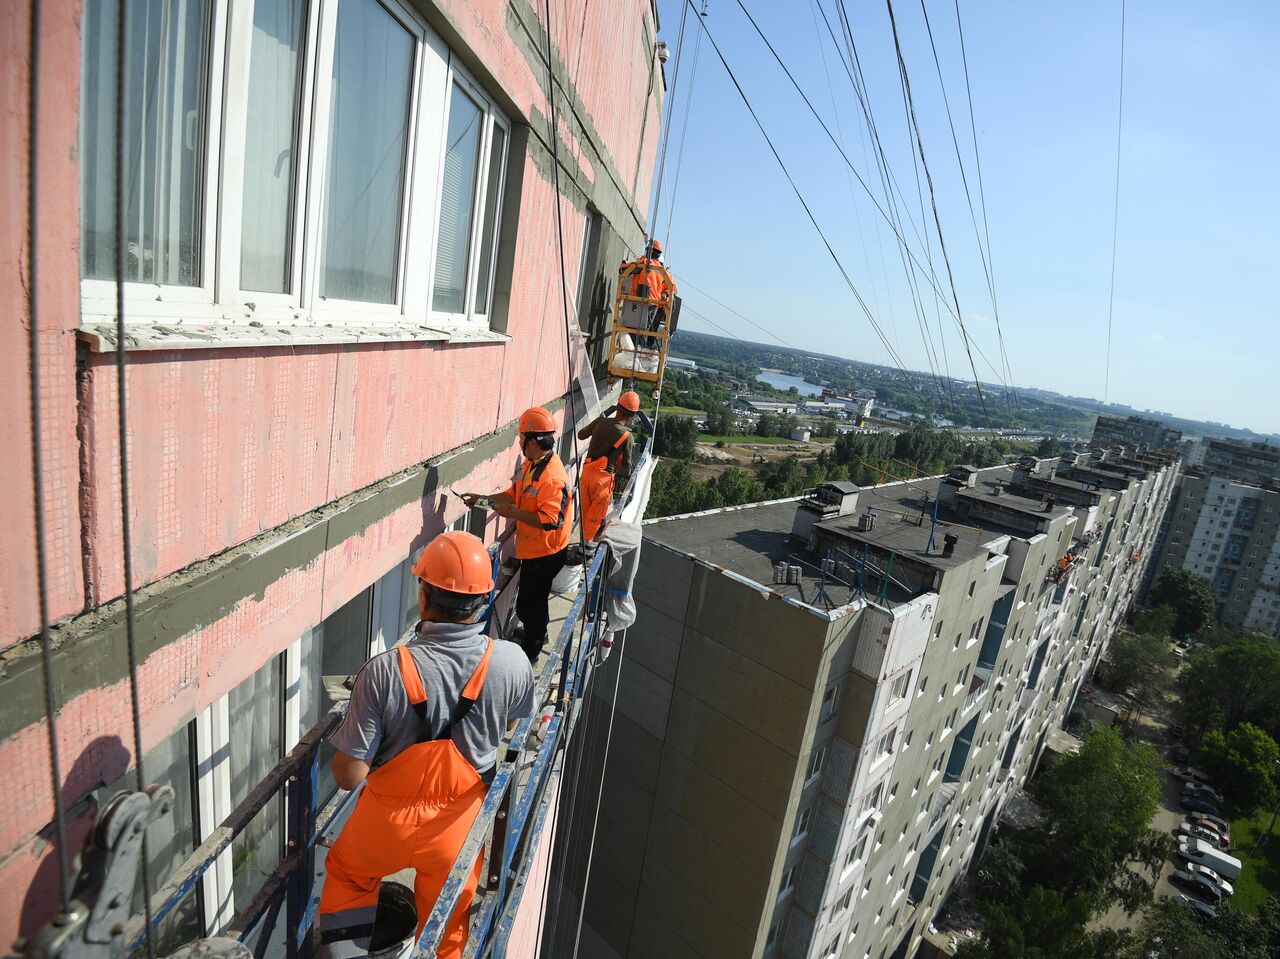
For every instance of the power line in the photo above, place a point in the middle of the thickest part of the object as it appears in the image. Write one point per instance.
(741, 316)
(984, 254)
(982, 196)
(1115, 213)
(808, 211)
(933, 199)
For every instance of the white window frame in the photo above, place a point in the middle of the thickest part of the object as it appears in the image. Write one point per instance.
(788, 881)
(815, 764)
(802, 824)
(897, 695)
(884, 746)
(219, 300)
(472, 316)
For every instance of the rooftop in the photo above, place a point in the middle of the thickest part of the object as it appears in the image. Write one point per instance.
(749, 541)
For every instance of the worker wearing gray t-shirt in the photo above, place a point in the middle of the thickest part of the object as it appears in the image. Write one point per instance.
(423, 728)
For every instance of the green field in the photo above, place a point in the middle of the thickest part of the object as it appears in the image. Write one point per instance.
(1260, 878)
(745, 440)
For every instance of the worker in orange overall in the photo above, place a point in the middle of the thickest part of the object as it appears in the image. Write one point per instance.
(640, 278)
(608, 458)
(422, 732)
(541, 503)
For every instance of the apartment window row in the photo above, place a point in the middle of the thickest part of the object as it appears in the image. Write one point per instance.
(288, 161)
(215, 761)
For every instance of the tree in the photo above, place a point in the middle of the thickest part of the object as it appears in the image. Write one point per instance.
(1100, 801)
(677, 437)
(1043, 924)
(1233, 684)
(1159, 621)
(767, 425)
(1192, 598)
(1049, 447)
(1243, 762)
(1138, 664)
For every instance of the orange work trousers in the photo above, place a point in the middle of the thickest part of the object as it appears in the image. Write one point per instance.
(596, 489)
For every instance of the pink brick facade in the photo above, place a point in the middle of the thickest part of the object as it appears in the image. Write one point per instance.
(229, 444)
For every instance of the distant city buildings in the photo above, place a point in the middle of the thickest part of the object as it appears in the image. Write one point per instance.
(1222, 525)
(1134, 431)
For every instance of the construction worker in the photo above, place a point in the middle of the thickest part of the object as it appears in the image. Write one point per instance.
(422, 730)
(608, 459)
(541, 503)
(640, 278)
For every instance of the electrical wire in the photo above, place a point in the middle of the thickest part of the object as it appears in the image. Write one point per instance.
(37, 460)
(1115, 213)
(122, 428)
(933, 198)
(808, 211)
(983, 253)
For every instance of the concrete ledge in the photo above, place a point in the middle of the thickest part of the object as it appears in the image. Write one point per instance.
(101, 337)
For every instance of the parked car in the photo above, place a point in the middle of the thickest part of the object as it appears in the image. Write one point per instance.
(1190, 773)
(1201, 885)
(1202, 789)
(1178, 730)
(1190, 829)
(1180, 754)
(1218, 826)
(1200, 804)
(1198, 870)
(1217, 822)
(1201, 909)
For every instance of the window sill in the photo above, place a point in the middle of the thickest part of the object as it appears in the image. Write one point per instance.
(101, 337)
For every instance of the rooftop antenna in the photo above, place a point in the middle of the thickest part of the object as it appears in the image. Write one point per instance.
(933, 531)
(884, 582)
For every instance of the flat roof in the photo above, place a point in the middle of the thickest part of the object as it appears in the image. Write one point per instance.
(748, 541)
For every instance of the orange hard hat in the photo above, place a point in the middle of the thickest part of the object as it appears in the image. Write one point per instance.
(457, 562)
(536, 420)
(630, 401)
(655, 246)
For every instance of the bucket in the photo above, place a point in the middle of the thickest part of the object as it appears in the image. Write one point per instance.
(395, 923)
(567, 580)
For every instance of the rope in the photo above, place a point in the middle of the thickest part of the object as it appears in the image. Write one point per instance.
(37, 464)
(1115, 214)
(595, 819)
(122, 424)
(684, 130)
(666, 127)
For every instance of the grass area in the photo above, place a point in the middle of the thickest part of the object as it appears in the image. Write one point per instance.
(744, 440)
(1260, 877)
(679, 411)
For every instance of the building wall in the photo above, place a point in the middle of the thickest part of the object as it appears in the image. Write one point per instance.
(877, 814)
(270, 485)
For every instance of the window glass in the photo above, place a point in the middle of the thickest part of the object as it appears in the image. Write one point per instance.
(457, 202)
(165, 119)
(368, 145)
(334, 650)
(270, 145)
(255, 744)
(492, 203)
(170, 839)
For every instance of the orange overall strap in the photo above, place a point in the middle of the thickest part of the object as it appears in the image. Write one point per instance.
(622, 439)
(411, 677)
(476, 682)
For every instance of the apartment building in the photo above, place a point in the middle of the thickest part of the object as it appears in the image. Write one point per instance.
(1226, 531)
(827, 701)
(1134, 431)
(341, 288)
(1254, 463)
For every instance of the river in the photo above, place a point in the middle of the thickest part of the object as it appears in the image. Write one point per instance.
(784, 381)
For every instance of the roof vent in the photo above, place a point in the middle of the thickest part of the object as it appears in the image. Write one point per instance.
(949, 544)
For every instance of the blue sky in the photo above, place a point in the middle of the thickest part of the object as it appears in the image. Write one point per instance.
(1195, 314)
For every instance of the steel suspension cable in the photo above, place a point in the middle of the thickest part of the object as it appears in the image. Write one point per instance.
(1115, 212)
(37, 460)
(809, 212)
(684, 134)
(122, 428)
(595, 819)
(933, 198)
(982, 193)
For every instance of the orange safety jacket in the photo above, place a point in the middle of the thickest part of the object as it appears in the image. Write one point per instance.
(415, 812)
(543, 488)
(640, 271)
(596, 489)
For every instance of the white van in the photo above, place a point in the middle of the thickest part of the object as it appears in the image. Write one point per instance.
(1199, 851)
